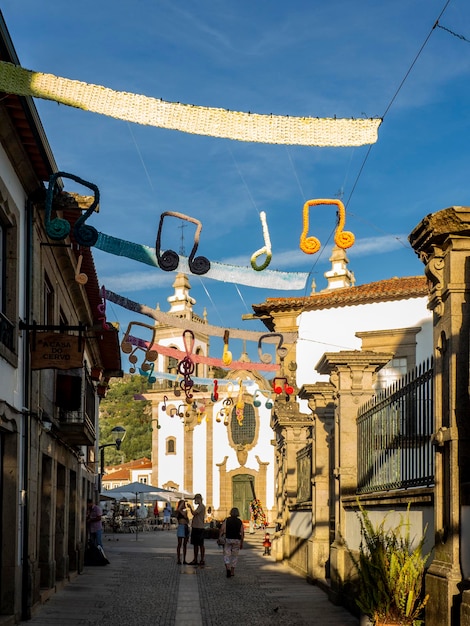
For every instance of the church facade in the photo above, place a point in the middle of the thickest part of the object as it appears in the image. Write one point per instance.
(220, 444)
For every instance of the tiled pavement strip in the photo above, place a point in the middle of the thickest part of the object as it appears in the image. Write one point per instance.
(143, 585)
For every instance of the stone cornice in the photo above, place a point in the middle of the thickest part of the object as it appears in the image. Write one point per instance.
(435, 228)
(333, 361)
(288, 414)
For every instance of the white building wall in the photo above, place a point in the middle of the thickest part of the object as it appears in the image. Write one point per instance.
(200, 458)
(333, 330)
(11, 379)
(170, 466)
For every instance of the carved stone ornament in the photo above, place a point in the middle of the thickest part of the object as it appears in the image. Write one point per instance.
(434, 272)
(429, 238)
(288, 414)
(242, 454)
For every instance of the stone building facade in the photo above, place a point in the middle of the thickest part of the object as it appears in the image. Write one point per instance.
(48, 403)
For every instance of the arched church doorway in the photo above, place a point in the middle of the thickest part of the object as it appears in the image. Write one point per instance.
(242, 490)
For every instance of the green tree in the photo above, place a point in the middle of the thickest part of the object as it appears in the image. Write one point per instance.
(119, 408)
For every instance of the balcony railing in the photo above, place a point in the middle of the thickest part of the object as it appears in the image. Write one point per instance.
(76, 428)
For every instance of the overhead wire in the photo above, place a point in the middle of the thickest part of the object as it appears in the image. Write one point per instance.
(395, 95)
(387, 109)
(452, 32)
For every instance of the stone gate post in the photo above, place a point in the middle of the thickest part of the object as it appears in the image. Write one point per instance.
(320, 398)
(353, 375)
(442, 241)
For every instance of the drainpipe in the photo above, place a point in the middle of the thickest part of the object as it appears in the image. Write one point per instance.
(26, 578)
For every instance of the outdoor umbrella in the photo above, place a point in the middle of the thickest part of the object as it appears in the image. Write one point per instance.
(135, 489)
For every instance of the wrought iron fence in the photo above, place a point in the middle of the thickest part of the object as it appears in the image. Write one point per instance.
(394, 434)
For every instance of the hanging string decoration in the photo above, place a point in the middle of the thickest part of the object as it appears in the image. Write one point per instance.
(80, 277)
(186, 366)
(102, 309)
(269, 279)
(169, 260)
(226, 354)
(266, 249)
(281, 385)
(281, 350)
(200, 358)
(131, 348)
(199, 120)
(240, 404)
(196, 327)
(59, 228)
(343, 239)
(257, 402)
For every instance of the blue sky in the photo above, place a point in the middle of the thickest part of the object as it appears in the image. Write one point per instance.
(304, 58)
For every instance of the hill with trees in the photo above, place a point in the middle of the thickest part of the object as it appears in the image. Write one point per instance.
(119, 408)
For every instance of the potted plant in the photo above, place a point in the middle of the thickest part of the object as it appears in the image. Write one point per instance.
(390, 568)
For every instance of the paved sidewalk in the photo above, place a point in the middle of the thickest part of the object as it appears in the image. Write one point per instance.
(144, 585)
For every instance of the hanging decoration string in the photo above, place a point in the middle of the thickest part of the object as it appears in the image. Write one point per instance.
(199, 358)
(268, 279)
(451, 32)
(396, 94)
(188, 118)
(196, 327)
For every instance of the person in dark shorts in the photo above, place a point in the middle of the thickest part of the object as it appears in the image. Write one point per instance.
(197, 529)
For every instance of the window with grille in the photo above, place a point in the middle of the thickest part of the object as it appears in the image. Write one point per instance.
(245, 433)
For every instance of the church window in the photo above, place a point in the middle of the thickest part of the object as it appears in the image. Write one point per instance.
(172, 364)
(171, 445)
(244, 434)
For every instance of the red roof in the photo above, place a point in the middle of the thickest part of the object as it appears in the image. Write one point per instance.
(143, 463)
(380, 291)
(120, 474)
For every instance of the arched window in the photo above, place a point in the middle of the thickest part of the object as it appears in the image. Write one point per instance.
(172, 363)
(246, 433)
(171, 445)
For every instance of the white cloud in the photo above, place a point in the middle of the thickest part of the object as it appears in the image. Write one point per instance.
(138, 281)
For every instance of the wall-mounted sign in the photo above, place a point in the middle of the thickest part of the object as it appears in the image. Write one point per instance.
(56, 351)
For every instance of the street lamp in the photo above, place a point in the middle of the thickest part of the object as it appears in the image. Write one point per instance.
(118, 433)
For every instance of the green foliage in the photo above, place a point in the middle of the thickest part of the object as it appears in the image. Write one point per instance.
(120, 409)
(391, 572)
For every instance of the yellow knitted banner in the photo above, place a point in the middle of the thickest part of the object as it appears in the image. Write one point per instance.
(188, 118)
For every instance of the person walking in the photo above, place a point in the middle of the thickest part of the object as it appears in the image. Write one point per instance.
(233, 531)
(197, 529)
(94, 523)
(182, 530)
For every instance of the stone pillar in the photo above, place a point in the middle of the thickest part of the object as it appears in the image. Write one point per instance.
(155, 440)
(261, 489)
(209, 497)
(188, 455)
(225, 489)
(442, 241)
(320, 398)
(353, 375)
(293, 430)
